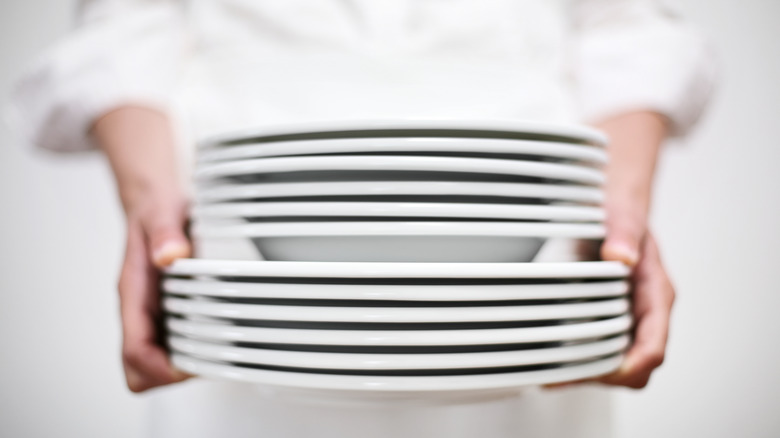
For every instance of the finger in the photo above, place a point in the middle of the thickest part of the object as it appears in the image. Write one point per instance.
(653, 299)
(567, 385)
(146, 363)
(625, 230)
(645, 355)
(165, 232)
(147, 366)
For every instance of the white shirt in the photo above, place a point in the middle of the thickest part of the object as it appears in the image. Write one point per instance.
(232, 64)
(220, 65)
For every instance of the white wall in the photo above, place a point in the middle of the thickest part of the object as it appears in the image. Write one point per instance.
(716, 214)
(60, 247)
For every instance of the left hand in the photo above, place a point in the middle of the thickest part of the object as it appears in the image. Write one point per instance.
(635, 139)
(653, 295)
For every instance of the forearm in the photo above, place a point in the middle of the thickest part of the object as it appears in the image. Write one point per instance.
(635, 142)
(139, 144)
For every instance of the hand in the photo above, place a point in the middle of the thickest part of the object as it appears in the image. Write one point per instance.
(139, 144)
(155, 237)
(653, 296)
(635, 139)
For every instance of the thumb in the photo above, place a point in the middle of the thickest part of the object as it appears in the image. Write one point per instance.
(624, 238)
(165, 231)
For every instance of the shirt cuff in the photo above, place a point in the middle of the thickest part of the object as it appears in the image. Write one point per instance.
(664, 67)
(126, 59)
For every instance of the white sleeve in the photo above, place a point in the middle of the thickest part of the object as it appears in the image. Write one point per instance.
(638, 55)
(122, 52)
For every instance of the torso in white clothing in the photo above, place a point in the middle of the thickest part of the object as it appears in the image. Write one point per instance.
(272, 62)
(265, 63)
(251, 63)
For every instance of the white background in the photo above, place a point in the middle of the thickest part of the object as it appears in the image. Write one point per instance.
(716, 214)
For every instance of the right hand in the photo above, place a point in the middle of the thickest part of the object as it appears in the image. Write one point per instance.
(155, 237)
(140, 147)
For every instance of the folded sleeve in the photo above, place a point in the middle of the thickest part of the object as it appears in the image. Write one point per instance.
(122, 52)
(639, 55)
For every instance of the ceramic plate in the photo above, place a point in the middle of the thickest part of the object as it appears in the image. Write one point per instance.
(552, 192)
(400, 209)
(389, 361)
(223, 332)
(376, 163)
(595, 309)
(452, 145)
(404, 292)
(512, 129)
(312, 380)
(226, 268)
(421, 242)
(386, 229)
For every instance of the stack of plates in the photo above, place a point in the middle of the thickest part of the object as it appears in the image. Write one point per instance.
(398, 192)
(397, 326)
(397, 256)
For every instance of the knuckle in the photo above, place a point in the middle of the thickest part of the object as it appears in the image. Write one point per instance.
(640, 383)
(135, 386)
(132, 358)
(655, 359)
(121, 284)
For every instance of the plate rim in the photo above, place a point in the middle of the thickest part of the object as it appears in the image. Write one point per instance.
(573, 131)
(397, 163)
(397, 384)
(247, 268)
(464, 314)
(385, 292)
(573, 331)
(214, 192)
(400, 361)
(574, 213)
(553, 149)
(380, 229)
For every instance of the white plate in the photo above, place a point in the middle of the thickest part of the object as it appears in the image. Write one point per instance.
(396, 314)
(404, 361)
(226, 268)
(452, 145)
(397, 383)
(553, 192)
(472, 128)
(395, 229)
(405, 292)
(223, 332)
(400, 209)
(375, 163)
(421, 242)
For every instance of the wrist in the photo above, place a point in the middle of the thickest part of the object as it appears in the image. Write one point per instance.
(140, 193)
(635, 142)
(151, 201)
(140, 146)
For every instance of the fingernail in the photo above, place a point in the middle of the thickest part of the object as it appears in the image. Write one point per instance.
(165, 254)
(625, 367)
(179, 375)
(623, 253)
